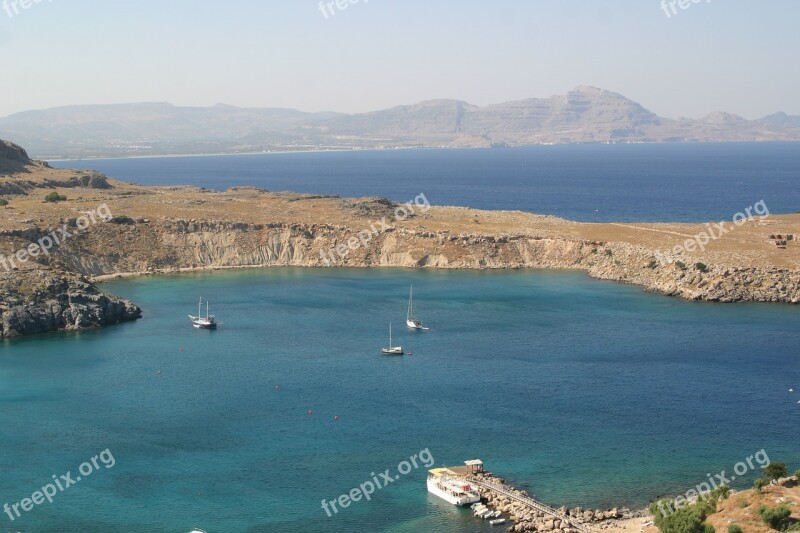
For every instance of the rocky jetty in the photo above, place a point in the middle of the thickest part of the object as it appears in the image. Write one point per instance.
(39, 301)
(529, 520)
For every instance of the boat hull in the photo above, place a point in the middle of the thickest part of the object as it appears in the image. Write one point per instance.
(456, 499)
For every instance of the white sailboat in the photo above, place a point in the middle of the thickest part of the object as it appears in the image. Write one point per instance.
(392, 350)
(412, 322)
(203, 322)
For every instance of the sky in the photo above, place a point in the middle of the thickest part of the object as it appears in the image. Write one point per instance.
(715, 55)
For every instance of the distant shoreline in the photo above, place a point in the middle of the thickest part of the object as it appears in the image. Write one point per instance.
(399, 149)
(270, 152)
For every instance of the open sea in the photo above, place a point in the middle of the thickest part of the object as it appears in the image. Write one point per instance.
(591, 183)
(584, 392)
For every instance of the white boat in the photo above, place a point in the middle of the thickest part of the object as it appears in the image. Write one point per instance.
(497, 521)
(450, 488)
(203, 322)
(392, 350)
(412, 322)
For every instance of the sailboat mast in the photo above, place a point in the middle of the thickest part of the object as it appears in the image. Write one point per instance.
(199, 308)
(206, 309)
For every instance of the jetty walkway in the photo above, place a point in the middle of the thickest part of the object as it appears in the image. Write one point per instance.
(529, 502)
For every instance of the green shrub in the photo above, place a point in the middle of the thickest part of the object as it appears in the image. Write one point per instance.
(3, 202)
(609, 253)
(690, 519)
(652, 264)
(702, 267)
(775, 470)
(776, 517)
(54, 197)
(733, 528)
(797, 474)
(680, 264)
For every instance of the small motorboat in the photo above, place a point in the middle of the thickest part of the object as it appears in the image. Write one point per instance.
(497, 521)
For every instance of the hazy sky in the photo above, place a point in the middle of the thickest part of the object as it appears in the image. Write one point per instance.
(732, 55)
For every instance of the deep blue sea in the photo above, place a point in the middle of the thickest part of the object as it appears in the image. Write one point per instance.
(593, 183)
(584, 392)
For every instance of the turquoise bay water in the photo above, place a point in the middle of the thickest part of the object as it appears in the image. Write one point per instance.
(585, 392)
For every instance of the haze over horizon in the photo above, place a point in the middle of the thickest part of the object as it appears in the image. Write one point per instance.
(384, 53)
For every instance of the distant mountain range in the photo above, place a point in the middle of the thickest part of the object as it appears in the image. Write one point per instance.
(584, 115)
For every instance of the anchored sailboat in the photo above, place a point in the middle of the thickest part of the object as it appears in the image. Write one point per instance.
(412, 322)
(203, 322)
(392, 350)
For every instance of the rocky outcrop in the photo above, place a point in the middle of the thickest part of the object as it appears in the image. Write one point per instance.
(14, 158)
(38, 301)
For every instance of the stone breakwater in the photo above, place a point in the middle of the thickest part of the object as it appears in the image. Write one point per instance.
(529, 520)
(37, 301)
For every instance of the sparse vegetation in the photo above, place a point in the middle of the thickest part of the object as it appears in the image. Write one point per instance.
(122, 219)
(680, 264)
(609, 253)
(775, 470)
(54, 197)
(652, 264)
(702, 267)
(3, 202)
(797, 474)
(733, 528)
(776, 517)
(690, 519)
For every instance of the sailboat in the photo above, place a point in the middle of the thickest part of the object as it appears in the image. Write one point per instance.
(392, 350)
(412, 322)
(203, 322)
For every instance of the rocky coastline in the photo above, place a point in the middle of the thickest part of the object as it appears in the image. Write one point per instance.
(176, 229)
(42, 302)
(527, 520)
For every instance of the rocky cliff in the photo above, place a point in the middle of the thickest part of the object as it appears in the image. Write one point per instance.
(171, 229)
(39, 301)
